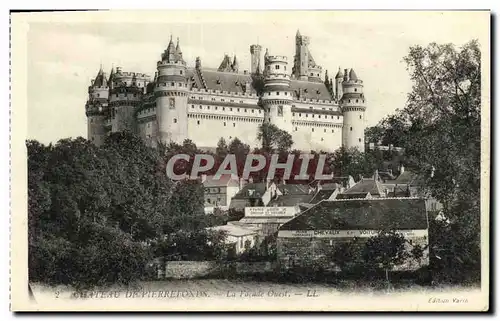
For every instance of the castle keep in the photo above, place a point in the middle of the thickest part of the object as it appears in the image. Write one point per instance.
(204, 104)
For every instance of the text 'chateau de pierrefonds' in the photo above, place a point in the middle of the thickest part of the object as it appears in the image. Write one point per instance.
(204, 104)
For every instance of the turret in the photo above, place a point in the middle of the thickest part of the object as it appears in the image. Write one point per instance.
(338, 85)
(96, 108)
(353, 108)
(277, 97)
(255, 51)
(171, 93)
(301, 59)
(235, 65)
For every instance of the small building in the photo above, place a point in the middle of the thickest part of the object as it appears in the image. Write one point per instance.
(253, 194)
(239, 238)
(308, 239)
(268, 218)
(219, 192)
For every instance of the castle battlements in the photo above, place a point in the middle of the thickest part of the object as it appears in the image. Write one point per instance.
(206, 104)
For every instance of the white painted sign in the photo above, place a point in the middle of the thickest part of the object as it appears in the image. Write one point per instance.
(347, 233)
(262, 211)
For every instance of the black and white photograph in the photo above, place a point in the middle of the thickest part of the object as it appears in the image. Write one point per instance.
(250, 160)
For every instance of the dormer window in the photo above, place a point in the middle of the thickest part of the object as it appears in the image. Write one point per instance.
(218, 81)
(318, 92)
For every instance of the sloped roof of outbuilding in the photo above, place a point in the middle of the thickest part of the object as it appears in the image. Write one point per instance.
(373, 214)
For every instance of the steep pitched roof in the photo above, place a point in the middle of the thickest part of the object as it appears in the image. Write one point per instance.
(310, 90)
(366, 186)
(376, 214)
(295, 189)
(226, 81)
(351, 196)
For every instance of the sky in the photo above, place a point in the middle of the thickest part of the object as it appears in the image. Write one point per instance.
(65, 51)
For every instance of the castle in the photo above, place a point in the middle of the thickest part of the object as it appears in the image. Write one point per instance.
(204, 104)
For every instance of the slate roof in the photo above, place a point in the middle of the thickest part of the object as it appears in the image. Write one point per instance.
(376, 214)
(351, 196)
(259, 190)
(321, 195)
(309, 90)
(224, 81)
(408, 177)
(366, 186)
(225, 180)
(291, 199)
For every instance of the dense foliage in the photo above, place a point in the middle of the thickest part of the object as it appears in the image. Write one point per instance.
(440, 129)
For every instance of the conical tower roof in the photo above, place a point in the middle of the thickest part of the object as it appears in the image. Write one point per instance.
(352, 75)
(100, 79)
(339, 74)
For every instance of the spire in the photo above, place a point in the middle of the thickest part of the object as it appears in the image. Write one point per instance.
(235, 65)
(170, 52)
(111, 75)
(298, 34)
(327, 79)
(339, 74)
(352, 75)
(100, 79)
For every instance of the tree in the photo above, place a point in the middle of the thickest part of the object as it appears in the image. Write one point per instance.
(385, 251)
(345, 162)
(443, 111)
(273, 138)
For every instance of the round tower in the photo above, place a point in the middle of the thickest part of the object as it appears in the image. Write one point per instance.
(96, 108)
(125, 97)
(353, 108)
(338, 85)
(171, 93)
(277, 97)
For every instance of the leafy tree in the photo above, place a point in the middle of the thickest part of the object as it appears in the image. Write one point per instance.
(345, 162)
(273, 138)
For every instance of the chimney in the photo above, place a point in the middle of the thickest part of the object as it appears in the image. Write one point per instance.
(250, 180)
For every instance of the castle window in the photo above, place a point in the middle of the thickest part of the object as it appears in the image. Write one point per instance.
(325, 130)
(224, 123)
(332, 130)
(284, 67)
(232, 101)
(312, 74)
(180, 71)
(208, 107)
(91, 120)
(360, 140)
(97, 95)
(149, 125)
(293, 114)
(245, 110)
(300, 114)
(349, 100)
(351, 129)
(238, 109)
(338, 117)
(172, 84)
(215, 107)
(222, 100)
(223, 108)
(192, 106)
(306, 115)
(286, 93)
(312, 129)
(201, 107)
(295, 128)
(277, 93)
(241, 101)
(280, 110)
(321, 138)
(198, 122)
(260, 111)
(360, 117)
(175, 120)
(234, 124)
(171, 103)
(213, 99)
(356, 100)
(252, 111)
(277, 67)
(231, 109)
(355, 89)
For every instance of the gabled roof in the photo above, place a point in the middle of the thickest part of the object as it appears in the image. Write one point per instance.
(225, 180)
(407, 177)
(366, 186)
(374, 214)
(246, 192)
